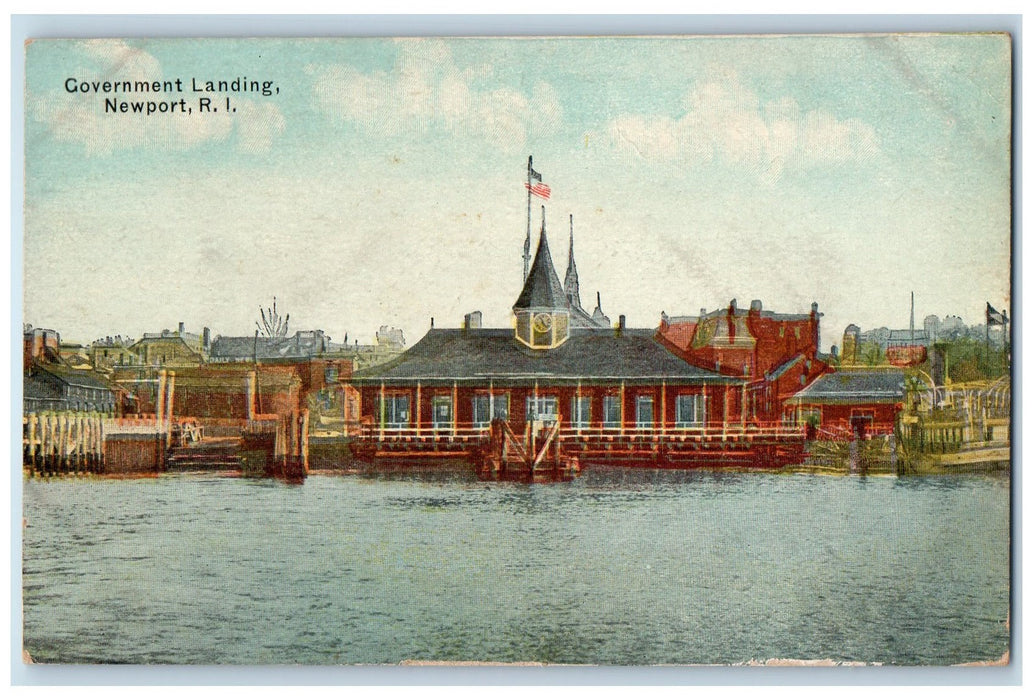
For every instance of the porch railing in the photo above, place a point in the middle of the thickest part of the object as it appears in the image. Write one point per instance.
(474, 432)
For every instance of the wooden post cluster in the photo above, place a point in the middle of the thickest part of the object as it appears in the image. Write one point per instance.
(290, 444)
(63, 443)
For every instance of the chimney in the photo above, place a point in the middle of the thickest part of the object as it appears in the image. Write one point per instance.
(472, 320)
(620, 325)
(702, 312)
(182, 327)
(432, 322)
(206, 337)
(756, 306)
(815, 320)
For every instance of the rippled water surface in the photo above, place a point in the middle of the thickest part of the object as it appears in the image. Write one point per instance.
(617, 567)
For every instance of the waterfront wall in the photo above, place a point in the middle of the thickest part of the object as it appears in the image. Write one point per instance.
(82, 443)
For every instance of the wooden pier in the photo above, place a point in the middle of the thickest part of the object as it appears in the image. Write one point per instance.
(536, 456)
(63, 443)
(68, 442)
(562, 450)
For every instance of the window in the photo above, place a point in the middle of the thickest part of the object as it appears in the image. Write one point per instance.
(396, 411)
(330, 374)
(441, 412)
(484, 405)
(581, 411)
(611, 411)
(544, 409)
(481, 411)
(644, 412)
(690, 411)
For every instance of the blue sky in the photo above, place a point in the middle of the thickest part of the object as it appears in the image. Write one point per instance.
(383, 184)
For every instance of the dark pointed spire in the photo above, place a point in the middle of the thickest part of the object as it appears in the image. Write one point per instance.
(570, 281)
(598, 316)
(542, 288)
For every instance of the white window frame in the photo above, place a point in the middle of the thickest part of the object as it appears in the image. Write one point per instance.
(580, 411)
(543, 404)
(610, 402)
(435, 403)
(641, 401)
(690, 414)
(391, 411)
(497, 403)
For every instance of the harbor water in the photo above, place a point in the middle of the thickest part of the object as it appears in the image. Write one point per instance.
(616, 567)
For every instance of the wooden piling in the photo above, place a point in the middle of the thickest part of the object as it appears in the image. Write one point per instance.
(62, 444)
(159, 400)
(304, 440)
(30, 455)
(170, 391)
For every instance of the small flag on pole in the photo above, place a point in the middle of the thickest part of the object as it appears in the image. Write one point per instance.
(535, 175)
(540, 189)
(995, 317)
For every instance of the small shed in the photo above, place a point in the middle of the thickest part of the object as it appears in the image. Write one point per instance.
(851, 403)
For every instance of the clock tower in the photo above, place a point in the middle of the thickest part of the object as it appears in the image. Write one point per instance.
(542, 309)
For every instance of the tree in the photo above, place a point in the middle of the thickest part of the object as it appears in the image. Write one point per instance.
(272, 325)
(871, 353)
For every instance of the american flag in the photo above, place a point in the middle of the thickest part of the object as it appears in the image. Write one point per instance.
(539, 189)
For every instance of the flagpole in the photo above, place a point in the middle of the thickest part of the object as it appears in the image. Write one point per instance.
(527, 241)
(987, 328)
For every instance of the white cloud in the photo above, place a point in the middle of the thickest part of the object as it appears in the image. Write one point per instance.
(426, 90)
(724, 121)
(80, 117)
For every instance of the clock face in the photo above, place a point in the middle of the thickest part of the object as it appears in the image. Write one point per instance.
(542, 322)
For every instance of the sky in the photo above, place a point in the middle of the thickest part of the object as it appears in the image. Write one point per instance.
(383, 183)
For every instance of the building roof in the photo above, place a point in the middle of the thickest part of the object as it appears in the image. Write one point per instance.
(36, 387)
(299, 345)
(155, 339)
(542, 288)
(76, 377)
(448, 355)
(858, 386)
(786, 366)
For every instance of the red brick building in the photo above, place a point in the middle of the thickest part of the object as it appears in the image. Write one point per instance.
(851, 403)
(774, 354)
